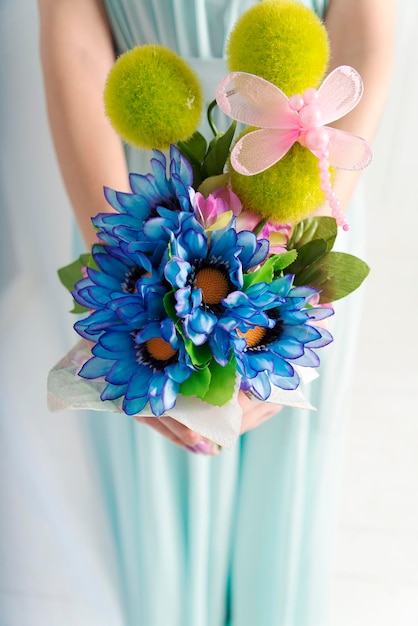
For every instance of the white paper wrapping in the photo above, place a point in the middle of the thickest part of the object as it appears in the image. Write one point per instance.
(67, 390)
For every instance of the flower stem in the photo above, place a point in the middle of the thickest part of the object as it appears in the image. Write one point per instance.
(260, 226)
(212, 125)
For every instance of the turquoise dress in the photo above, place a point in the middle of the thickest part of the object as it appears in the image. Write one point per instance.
(102, 521)
(245, 538)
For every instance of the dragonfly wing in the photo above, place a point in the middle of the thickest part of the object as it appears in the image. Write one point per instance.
(339, 93)
(254, 101)
(260, 149)
(347, 151)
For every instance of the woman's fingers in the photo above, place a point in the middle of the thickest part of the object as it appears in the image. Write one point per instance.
(154, 423)
(180, 435)
(255, 412)
(191, 439)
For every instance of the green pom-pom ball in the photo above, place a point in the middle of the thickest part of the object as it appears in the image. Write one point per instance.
(153, 98)
(288, 191)
(282, 41)
(285, 43)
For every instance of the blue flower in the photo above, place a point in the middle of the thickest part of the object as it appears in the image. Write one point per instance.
(123, 270)
(241, 307)
(126, 289)
(205, 269)
(271, 350)
(153, 196)
(147, 366)
(163, 284)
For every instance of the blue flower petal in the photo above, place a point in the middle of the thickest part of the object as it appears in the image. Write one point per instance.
(303, 333)
(309, 358)
(158, 228)
(320, 313)
(136, 206)
(289, 349)
(177, 272)
(138, 382)
(134, 406)
(260, 385)
(286, 382)
(111, 283)
(184, 303)
(179, 372)
(162, 394)
(110, 265)
(117, 343)
(281, 367)
(254, 251)
(95, 323)
(120, 372)
(142, 185)
(201, 321)
(95, 368)
(111, 392)
(323, 340)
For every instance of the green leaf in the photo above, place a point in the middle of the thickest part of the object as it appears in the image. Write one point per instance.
(284, 260)
(273, 266)
(78, 308)
(200, 355)
(212, 183)
(194, 148)
(257, 229)
(263, 275)
(197, 384)
(92, 263)
(336, 275)
(307, 254)
(314, 228)
(222, 383)
(169, 303)
(218, 153)
(70, 274)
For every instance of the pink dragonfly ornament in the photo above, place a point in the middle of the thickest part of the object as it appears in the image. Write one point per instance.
(281, 121)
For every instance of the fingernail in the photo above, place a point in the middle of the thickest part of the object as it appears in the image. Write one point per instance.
(204, 447)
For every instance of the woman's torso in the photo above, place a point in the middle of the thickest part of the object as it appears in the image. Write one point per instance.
(194, 28)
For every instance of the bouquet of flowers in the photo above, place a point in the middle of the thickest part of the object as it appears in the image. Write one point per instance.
(212, 275)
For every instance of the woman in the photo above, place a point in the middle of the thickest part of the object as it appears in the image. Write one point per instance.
(242, 538)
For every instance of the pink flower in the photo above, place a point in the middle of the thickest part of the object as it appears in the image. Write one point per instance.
(277, 234)
(217, 209)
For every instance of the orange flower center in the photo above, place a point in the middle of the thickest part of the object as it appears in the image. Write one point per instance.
(213, 283)
(254, 336)
(159, 349)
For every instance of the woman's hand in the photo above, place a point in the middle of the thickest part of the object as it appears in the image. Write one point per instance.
(254, 414)
(180, 435)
